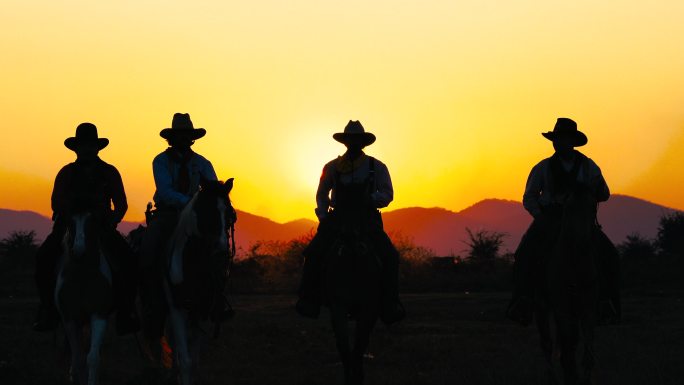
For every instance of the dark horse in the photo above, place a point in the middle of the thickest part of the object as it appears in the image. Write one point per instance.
(569, 290)
(84, 294)
(352, 288)
(194, 270)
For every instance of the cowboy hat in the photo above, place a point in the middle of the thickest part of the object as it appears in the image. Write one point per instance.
(181, 124)
(354, 129)
(85, 133)
(567, 128)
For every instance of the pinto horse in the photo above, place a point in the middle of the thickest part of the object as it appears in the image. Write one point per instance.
(193, 280)
(83, 293)
(352, 288)
(569, 292)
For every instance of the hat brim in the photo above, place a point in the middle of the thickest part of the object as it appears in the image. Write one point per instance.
(367, 137)
(194, 134)
(73, 143)
(579, 138)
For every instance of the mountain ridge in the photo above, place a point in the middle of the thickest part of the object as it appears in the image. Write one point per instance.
(436, 228)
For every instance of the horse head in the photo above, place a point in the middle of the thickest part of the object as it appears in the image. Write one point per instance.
(215, 213)
(82, 236)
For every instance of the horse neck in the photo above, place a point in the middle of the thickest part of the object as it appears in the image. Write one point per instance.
(90, 255)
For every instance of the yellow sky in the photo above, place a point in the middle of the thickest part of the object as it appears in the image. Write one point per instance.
(456, 91)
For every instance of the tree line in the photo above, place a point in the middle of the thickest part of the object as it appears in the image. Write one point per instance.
(275, 266)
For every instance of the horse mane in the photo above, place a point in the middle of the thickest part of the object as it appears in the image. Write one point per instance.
(186, 226)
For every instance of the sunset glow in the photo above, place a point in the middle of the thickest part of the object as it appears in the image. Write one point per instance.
(457, 93)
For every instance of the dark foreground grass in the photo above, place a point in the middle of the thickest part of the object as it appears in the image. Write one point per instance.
(446, 339)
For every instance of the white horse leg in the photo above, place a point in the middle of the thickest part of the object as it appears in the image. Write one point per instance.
(180, 336)
(77, 372)
(179, 325)
(98, 327)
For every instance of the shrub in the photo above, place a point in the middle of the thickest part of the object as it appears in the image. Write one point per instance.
(670, 239)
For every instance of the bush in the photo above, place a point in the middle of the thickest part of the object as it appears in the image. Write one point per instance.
(17, 250)
(636, 247)
(276, 266)
(484, 245)
(670, 238)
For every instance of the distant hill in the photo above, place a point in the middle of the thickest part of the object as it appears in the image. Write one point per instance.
(439, 229)
(444, 231)
(249, 228)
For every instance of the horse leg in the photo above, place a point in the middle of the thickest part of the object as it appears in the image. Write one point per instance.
(98, 327)
(338, 316)
(543, 321)
(569, 338)
(77, 372)
(364, 326)
(589, 357)
(195, 340)
(180, 337)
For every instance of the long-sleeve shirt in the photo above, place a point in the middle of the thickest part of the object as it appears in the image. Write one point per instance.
(95, 185)
(166, 172)
(346, 172)
(539, 192)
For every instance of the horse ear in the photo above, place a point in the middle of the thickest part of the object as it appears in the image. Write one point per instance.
(228, 186)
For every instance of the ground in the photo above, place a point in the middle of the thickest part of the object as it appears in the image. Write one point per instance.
(454, 338)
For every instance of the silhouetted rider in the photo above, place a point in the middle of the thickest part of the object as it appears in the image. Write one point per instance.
(177, 174)
(88, 183)
(550, 183)
(351, 190)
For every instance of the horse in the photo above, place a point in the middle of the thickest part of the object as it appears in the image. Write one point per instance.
(84, 292)
(569, 292)
(352, 288)
(194, 274)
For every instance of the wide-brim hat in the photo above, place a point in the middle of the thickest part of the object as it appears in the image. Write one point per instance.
(181, 124)
(354, 129)
(566, 127)
(86, 133)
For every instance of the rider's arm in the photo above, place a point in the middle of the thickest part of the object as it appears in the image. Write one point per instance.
(118, 195)
(533, 189)
(163, 180)
(384, 193)
(597, 183)
(60, 199)
(206, 169)
(325, 184)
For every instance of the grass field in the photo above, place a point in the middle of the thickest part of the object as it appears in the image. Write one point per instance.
(454, 338)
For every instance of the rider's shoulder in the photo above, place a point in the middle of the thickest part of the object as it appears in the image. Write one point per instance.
(333, 163)
(68, 167)
(542, 164)
(377, 161)
(199, 158)
(107, 167)
(161, 155)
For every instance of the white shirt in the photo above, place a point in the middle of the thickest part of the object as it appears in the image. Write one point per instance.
(358, 172)
(539, 191)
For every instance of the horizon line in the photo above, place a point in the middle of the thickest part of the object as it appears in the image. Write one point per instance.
(387, 211)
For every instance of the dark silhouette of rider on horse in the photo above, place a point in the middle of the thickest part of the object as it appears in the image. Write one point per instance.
(90, 183)
(178, 171)
(351, 190)
(550, 184)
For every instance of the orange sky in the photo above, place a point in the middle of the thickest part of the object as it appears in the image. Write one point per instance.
(457, 92)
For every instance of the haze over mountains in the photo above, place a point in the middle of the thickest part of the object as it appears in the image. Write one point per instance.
(439, 229)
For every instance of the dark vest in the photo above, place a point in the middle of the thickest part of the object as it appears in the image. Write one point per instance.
(562, 181)
(88, 188)
(355, 197)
